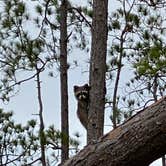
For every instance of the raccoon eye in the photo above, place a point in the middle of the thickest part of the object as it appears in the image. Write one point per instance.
(75, 87)
(78, 96)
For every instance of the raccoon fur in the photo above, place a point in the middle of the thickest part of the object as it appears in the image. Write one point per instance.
(82, 95)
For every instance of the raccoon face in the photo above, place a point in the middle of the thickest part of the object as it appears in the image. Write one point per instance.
(82, 92)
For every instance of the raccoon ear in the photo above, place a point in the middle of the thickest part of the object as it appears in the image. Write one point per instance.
(75, 87)
(87, 86)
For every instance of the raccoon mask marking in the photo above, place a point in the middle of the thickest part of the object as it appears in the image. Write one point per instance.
(82, 96)
(82, 92)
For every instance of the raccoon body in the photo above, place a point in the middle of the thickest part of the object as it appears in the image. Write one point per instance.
(82, 95)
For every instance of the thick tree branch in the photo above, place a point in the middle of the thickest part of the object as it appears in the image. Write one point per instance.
(139, 141)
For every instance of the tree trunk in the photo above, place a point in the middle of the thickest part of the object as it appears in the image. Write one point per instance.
(137, 142)
(41, 130)
(97, 70)
(64, 81)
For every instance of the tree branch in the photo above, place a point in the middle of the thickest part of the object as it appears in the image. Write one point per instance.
(139, 141)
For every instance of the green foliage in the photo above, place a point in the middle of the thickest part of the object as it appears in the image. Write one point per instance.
(20, 9)
(152, 60)
(136, 42)
(39, 9)
(87, 12)
(23, 141)
(14, 139)
(136, 34)
(32, 39)
(19, 49)
(116, 24)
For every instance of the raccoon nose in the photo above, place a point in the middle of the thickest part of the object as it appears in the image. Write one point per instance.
(82, 97)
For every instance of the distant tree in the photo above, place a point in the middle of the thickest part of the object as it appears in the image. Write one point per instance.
(121, 27)
(64, 80)
(19, 144)
(23, 144)
(41, 128)
(26, 51)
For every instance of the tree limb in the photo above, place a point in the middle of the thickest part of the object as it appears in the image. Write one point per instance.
(139, 141)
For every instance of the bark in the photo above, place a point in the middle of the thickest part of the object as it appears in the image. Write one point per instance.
(154, 92)
(97, 70)
(64, 81)
(137, 142)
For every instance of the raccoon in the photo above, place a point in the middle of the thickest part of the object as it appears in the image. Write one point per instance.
(82, 95)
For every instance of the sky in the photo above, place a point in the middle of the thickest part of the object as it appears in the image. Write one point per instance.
(24, 104)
